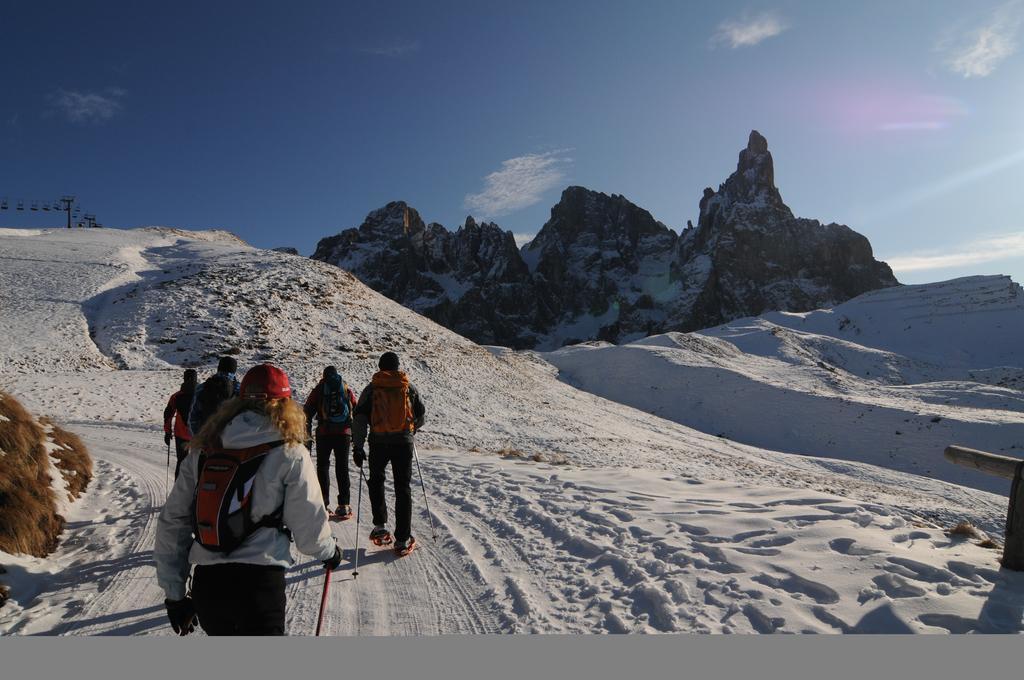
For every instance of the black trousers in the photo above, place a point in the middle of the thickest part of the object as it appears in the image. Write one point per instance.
(181, 451)
(340, 445)
(239, 599)
(400, 456)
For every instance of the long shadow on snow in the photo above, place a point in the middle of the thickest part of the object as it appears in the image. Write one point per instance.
(1003, 611)
(129, 629)
(311, 570)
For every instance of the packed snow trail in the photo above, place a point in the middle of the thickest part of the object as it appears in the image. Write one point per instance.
(527, 547)
(108, 582)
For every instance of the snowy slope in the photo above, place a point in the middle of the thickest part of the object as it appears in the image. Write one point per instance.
(967, 328)
(649, 526)
(890, 378)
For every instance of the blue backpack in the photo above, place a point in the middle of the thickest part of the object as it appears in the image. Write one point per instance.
(335, 407)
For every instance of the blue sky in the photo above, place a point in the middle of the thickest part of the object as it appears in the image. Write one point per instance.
(285, 123)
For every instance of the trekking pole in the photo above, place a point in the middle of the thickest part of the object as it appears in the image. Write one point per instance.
(323, 600)
(167, 472)
(433, 533)
(359, 509)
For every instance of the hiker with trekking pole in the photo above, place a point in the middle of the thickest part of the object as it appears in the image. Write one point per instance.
(331, 402)
(177, 410)
(391, 409)
(234, 511)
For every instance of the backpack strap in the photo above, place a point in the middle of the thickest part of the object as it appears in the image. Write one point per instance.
(274, 520)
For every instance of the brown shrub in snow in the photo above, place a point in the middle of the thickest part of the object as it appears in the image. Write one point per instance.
(965, 529)
(71, 457)
(29, 522)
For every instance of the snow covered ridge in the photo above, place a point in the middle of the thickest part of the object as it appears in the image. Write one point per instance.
(889, 378)
(604, 268)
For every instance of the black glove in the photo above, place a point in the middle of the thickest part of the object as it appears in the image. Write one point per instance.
(335, 561)
(182, 615)
(358, 456)
(167, 438)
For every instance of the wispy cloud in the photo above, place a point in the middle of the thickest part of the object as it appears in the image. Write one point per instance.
(519, 183)
(89, 107)
(977, 52)
(980, 251)
(748, 30)
(396, 49)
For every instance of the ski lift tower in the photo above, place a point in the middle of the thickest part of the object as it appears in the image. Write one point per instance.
(68, 201)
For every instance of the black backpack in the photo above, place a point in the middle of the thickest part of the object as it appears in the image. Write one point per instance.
(217, 389)
(184, 402)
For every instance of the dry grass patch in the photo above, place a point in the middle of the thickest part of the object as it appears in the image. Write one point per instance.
(71, 458)
(29, 522)
(964, 529)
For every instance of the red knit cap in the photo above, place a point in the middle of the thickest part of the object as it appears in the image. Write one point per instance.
(265, 382)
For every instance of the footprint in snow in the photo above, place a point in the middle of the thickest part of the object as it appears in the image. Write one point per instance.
(798, 585)
(760, 621)
(896, 586)
(847, 546)
(773, 542)
(951, 622)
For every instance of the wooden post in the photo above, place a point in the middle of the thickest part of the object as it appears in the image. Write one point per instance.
(1013, 549)
(1008, 468)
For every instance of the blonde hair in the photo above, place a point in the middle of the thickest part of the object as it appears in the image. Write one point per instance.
(286, 416)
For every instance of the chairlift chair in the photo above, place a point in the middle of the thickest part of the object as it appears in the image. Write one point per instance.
(3, 204)
(46, 207)
(35, 205)
(21, 205)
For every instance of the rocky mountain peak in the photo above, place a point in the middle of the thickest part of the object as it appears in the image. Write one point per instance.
(749, 192)
(394, 219)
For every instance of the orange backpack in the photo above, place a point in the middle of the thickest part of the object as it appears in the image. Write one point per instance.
(392, 408)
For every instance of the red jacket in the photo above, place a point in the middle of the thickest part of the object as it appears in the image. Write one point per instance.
(312, 408)
(180, 423)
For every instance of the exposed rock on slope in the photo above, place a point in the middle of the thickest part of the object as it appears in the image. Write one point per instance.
(473, 281)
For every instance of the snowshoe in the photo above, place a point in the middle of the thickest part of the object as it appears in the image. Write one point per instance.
(342, 513)
(380, 536)
(403, 548)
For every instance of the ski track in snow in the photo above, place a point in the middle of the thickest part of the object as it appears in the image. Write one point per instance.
(535, 548)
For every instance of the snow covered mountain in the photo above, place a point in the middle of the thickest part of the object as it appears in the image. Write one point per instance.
(557, 510)
(604, 268)
(890, 377)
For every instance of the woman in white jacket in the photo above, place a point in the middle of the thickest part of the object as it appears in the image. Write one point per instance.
(240, 590)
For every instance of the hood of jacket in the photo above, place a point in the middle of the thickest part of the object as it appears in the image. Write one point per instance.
(248, 428)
